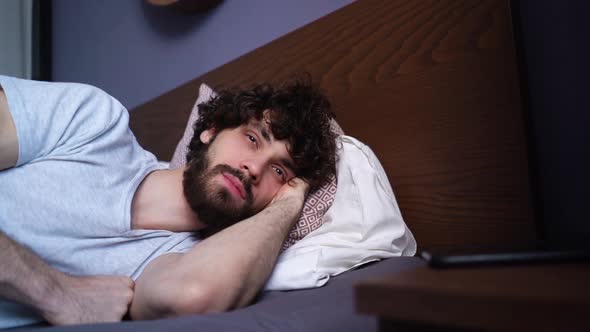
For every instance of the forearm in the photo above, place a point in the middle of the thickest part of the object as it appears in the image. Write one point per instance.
(60, 298)
(239, 261)
(24, 277)
(222, 272)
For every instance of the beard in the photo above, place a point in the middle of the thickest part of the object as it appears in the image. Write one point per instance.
(213, 203)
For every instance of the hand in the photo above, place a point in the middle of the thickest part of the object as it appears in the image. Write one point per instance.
(295, 189)
(94, 299)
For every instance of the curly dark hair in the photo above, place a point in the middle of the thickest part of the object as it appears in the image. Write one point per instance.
(298, 113)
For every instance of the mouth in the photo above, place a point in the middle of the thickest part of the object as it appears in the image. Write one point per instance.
(234, 185)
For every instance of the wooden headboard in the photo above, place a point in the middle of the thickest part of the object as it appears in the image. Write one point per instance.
(430, 86)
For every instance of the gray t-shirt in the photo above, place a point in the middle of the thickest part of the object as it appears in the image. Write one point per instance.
(69, 197)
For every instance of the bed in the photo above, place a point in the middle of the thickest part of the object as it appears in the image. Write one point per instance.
(432, 87)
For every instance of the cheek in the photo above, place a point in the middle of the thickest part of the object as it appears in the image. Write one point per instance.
(267, 191)
(228, 157)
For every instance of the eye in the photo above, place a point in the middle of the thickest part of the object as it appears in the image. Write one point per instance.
(279, 171)
(252, 139)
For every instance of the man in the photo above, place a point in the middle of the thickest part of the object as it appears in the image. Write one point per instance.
(92, 228)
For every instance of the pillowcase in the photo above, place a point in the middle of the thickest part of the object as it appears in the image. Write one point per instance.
(363, 225)
(316, 203)
(179, 156)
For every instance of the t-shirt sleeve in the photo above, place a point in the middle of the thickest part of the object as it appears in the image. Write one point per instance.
(57, 118)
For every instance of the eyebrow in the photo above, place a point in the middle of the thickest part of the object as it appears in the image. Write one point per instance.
(266, 136)
(263, 131)
(288, 164)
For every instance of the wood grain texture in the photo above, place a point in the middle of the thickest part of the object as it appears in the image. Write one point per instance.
(430, 86)
(548, 297)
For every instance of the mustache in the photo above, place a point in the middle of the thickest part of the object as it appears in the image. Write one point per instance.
(245, 180)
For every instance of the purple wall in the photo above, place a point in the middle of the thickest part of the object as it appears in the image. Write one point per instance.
(135, 51)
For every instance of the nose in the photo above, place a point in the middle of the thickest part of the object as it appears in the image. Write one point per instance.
(252, 168)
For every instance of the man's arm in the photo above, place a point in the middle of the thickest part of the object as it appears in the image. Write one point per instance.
(25, 278)
(60, 298)
(224, 271)
(8, 138)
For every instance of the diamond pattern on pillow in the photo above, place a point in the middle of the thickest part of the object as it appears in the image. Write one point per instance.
(317, 202)
(316, 205)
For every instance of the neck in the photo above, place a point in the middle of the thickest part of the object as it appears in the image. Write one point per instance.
(159, 203)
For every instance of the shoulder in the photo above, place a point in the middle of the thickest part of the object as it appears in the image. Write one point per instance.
(61, 117)
(86, 116)
(93, 109)
(93, 99)
(62, 102)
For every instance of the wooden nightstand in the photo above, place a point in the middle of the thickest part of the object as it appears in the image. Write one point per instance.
(545, 297)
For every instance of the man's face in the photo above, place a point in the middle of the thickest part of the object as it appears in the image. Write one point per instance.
(242, 170)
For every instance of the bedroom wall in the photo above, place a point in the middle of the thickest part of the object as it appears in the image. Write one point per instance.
(135, 51)
(15, 38)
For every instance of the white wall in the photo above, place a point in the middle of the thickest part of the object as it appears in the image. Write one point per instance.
(15, 38)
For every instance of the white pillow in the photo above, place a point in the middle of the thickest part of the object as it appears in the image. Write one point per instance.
(363, 224)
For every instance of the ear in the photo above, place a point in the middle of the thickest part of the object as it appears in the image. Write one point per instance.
(206, 135)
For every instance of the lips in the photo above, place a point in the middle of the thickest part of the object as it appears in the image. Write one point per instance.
(236, 184)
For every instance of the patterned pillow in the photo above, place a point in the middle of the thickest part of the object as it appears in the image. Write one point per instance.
(317, 202)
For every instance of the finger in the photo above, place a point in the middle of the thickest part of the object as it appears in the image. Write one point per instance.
(295, 182)
(302, 184)
(131, 283)
(128, 282)
(128, 298)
